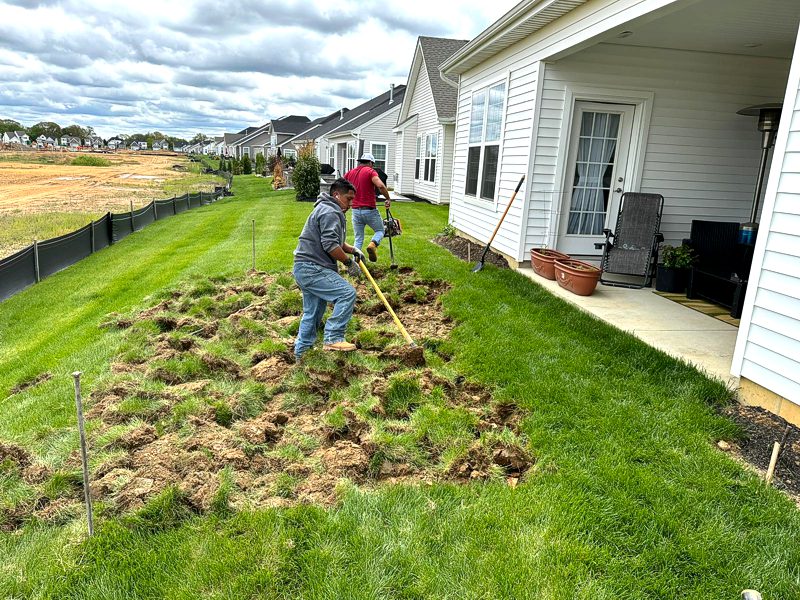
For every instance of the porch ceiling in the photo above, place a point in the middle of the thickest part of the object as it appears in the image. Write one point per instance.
(749, 27)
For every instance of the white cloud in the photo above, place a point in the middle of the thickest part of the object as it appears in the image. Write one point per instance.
(180, 67)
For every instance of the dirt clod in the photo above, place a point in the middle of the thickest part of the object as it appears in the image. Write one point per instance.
(410, 356)
(32, 382)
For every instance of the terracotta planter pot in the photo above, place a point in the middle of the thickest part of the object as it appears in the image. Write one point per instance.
(542, 260)
(577, 276)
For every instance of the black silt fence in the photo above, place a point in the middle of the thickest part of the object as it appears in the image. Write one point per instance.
(31, 264)
(17, 272)
(59, 253)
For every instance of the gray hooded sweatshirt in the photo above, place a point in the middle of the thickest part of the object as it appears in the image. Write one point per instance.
(324, 230)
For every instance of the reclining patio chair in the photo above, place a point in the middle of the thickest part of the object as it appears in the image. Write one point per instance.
(632, 249)
(722, 268)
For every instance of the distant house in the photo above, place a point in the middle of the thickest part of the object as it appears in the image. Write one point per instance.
(366, 128)
(50, 142)
(425, 131)
(310, 132)
(93, 142)
(19, 138)
(116, 144)
(160, 145)
(70, 141)
(243, 144)
(283, 130)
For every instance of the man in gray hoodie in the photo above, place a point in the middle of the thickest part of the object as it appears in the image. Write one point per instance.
(321, 245)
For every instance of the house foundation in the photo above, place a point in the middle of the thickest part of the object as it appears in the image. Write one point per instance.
(752, 394)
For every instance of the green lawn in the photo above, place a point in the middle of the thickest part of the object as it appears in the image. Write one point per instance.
(629, 497)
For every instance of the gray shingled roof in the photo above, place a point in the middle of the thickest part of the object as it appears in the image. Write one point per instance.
(292, 124)
(435, 51)
(365, 112)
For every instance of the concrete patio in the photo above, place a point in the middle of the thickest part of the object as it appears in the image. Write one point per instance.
(679, 331)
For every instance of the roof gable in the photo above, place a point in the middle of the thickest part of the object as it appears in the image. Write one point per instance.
(370, 110)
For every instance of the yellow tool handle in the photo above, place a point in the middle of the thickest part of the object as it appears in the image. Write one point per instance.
(386, 304)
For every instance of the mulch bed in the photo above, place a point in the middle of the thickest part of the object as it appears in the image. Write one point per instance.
(761, 430)
(469, 252)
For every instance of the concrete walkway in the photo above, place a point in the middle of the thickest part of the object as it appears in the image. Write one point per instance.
(684, 333)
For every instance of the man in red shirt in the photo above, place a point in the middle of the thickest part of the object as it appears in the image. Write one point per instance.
(366, 180)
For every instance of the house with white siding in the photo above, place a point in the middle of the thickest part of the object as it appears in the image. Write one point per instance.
(589, 99)
(281, 131)
(767, 354)
(425, 132)
(19, 138)
(365, 128)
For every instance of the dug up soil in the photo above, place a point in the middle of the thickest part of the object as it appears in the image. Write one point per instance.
(205, 397)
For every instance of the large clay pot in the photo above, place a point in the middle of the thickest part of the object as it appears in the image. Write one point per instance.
(577, 276)
(542, 260)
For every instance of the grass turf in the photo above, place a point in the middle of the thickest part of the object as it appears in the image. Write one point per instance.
(629, 497)
(18, 229)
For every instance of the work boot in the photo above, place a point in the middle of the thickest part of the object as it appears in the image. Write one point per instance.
(340, 347)
(372, 251)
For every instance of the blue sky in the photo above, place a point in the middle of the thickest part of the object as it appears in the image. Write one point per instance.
(180, 67)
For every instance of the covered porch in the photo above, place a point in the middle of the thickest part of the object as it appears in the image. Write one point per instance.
(652, 106)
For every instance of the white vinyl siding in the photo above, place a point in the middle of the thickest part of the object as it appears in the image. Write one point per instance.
(700, 155)
(380, 131)
(478, 218)
(407, 157)
(422, 104)
(768, 345)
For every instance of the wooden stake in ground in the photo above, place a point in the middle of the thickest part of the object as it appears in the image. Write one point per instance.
(84, 459)
(776, 451)
(254, 244)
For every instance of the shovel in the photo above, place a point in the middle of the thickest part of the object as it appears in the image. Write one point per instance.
(479, 265)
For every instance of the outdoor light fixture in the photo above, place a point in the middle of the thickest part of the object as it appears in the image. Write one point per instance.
(769, 117)
(625, 34)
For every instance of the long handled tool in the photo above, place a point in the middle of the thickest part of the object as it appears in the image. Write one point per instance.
(392, 229)
(388, 307)
(479, 265)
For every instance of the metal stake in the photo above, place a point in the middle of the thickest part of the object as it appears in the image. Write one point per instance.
(84, 460)
(155, 210)
(36, 260)
(132, 227)
(254, 244)
(91, 234)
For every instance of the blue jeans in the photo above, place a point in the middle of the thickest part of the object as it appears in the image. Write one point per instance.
(321, 286)
(367, 216)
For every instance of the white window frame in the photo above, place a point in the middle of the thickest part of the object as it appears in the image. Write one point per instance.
(477, 197)
(290, 153)
(332, 155)
(246, 151)
(419, 161)
(385, 160)
(351, 160)
(428, 158)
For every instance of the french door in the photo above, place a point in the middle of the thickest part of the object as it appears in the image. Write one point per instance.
(597, 165)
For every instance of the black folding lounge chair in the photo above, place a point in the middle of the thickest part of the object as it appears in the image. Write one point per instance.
(632, 249)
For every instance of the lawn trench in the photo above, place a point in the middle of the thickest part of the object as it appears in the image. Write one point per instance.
(205, 402)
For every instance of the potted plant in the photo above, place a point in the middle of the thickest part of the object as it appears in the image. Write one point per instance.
(576, 276)
(542, 260)
(672, 274)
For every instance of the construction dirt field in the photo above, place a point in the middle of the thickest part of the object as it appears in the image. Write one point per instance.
(43, 182)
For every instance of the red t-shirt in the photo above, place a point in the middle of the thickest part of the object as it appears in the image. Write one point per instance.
(361, 178)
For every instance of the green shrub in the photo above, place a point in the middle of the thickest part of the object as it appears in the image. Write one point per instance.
(247, 166)
(90, 161)
(678, 257)
(261, 164)
(306, 174)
